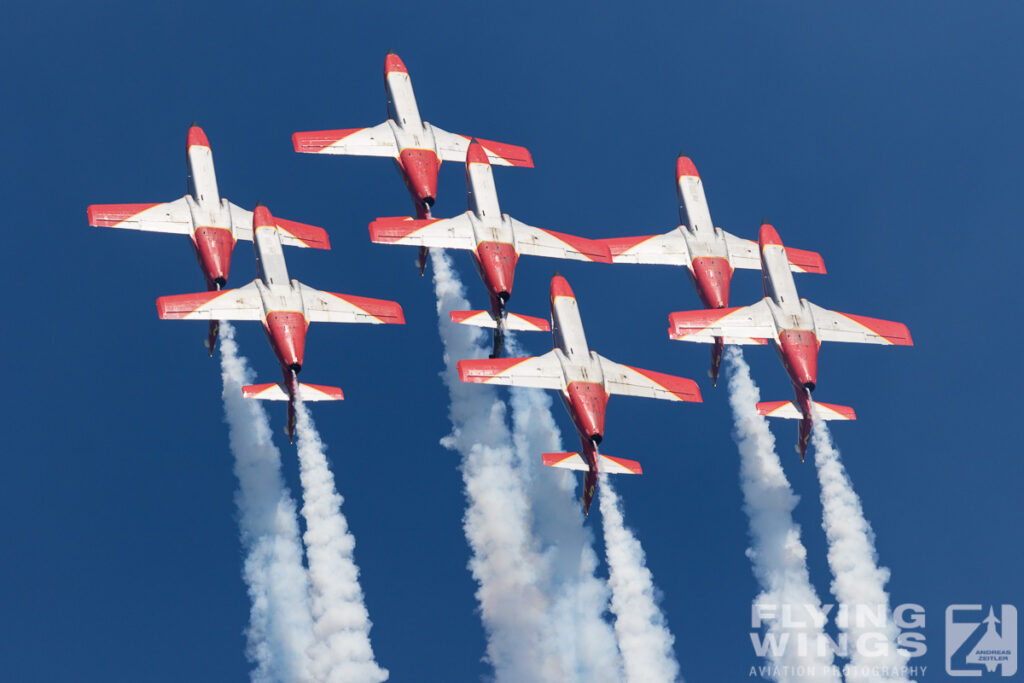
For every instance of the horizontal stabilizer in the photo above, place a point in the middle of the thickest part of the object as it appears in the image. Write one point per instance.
(790, 411)
(519, 323)
(278, 392)
(605, 463)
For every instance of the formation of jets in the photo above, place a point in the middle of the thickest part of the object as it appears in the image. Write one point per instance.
(584, 378)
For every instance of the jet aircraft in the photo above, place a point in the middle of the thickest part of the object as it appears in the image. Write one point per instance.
(213, 223)
(417, 147)
(709, 253)
(286, 307)
(796, 327)
(585, 380)
(496, 240)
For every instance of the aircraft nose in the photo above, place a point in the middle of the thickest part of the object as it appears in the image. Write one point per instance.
(769, 236)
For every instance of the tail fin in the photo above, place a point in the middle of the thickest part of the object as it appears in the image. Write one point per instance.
(512, 321)
(279, 392)
(605, 463)
(790, 410)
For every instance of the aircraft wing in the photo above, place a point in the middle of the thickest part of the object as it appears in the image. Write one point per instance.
(445, 233)
(630, 381)
(292, 233)
(172, 217)
(243, 303)
(452, 147)
(669, 249)
(745, 325)
(746, 254)
(377, 141)
(540, 242)
(540, 372)
(328, 307)
(845, 327)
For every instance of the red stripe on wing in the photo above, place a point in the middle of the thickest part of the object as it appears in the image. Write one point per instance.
(683, 323)
(807, 261)
(595, 250)
(314, 141)
(178, 306)
(382, 309)
(310, 235)
(895, 333)
(513, 154)
(393, 229)
(555, 459)
(481, 370)
(620, 245)
(110, 215)
(682, 388)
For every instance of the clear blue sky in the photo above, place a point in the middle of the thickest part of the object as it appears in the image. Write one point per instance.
(886, 136)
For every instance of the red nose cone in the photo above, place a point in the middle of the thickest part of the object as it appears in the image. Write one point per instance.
(261, 218)
(213, 248)
(497, 264)
(287, 332)
(419, 168)
(476, 154)
(800, 356)
(712, 276)
(768, 236)
(685, 167)
(587, 403)
(196, 136)
(394, 63)
(560, 287)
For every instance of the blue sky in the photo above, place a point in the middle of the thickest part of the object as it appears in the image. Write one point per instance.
(885, 136)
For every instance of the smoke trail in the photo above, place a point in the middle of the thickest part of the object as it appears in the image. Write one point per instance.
(643, 635)
(578, 597)
(280, 627)
(859, 583)
(505, 563)
(780, 560)
(342, 652)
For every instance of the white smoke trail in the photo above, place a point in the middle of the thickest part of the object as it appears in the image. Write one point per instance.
(643, 635)
(280, 626)
(578, 597)
(342, 651)
(521, 645)
(859, 583)
(789, 604)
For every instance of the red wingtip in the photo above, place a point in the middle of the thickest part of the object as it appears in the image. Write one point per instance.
(769, 236)
(196, 136)
(261, 218)
(476, 154)
(393, 63)
(685, 167)
(560, 287)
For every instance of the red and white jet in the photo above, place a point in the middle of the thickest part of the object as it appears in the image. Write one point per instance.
(286, 307)
(585, 380)
(796, 326)
(213, 223)
(709, 253)
(496, 240)
(417, 147)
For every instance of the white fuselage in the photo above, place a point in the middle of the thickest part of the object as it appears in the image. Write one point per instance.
(789, 311)
(703, 239)
(489, 224)
(204, 200)
(276, 289)
(579, 364)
